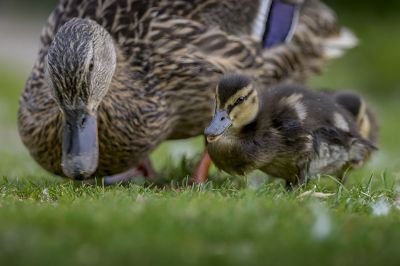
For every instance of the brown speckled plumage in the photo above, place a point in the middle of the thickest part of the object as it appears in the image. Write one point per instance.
(169, 56)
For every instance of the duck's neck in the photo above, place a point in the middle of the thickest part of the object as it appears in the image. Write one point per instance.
(131, 102)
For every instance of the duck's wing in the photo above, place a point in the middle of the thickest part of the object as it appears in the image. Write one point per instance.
(240, 17)
(300, 35)
(271, 22)
(184, 38)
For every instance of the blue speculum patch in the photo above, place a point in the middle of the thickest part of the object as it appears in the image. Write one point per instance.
(281, 20)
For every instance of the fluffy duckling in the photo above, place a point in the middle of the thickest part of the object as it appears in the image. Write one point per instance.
(288, 131)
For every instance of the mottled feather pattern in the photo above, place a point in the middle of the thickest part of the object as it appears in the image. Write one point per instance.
(170, 55)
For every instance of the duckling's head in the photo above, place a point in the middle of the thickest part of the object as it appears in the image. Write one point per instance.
(237, 105)
(80, 65)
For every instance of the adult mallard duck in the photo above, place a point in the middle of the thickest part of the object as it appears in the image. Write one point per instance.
(113, 79)
(288, 131)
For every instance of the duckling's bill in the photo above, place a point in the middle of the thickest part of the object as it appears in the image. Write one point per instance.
(219, 124)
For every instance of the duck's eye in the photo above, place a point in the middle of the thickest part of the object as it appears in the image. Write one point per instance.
(240, 100)
(91, 66)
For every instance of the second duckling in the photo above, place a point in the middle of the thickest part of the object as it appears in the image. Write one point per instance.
(288, 131)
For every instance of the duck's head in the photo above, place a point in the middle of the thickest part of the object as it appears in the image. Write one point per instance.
(80, 65)
(237, 105)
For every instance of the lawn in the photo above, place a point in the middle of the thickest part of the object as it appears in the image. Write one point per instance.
(228, 221)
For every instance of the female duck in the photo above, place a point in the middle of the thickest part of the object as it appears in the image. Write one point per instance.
(114, 79)
(288, 131)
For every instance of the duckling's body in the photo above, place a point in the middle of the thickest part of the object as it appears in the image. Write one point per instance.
(291, 132)
(165, 57)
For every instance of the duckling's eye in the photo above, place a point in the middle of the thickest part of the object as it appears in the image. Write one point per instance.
(240, 100)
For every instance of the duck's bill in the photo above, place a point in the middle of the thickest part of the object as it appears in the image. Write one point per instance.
(219, 124)
(80, 145)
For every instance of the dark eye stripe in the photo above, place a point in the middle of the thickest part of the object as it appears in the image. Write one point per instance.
(240, 100)
(247, 96)
(231, 106)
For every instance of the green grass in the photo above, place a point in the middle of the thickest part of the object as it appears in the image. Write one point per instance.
(229, 221)
(44, 223)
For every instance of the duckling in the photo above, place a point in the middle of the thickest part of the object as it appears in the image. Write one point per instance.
(113, 79)
(288, 131)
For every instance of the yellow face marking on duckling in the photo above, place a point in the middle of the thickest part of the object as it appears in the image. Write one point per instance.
(238, 110)
(365, 127)
(361, 112)
(294, 102)
(243, 106)
(340, 122)
(363, 122)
